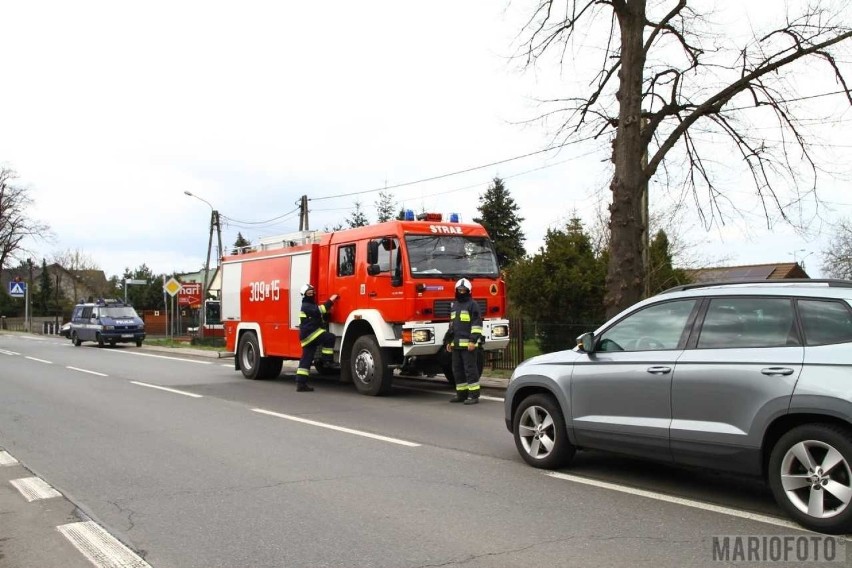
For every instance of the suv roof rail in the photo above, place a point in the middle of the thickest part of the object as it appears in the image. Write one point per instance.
(831, 282)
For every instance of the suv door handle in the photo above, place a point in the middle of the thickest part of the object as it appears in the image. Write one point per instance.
(776, 371)
(659, 370)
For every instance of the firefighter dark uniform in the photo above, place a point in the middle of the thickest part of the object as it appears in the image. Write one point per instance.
(465, 333)
(313, 335)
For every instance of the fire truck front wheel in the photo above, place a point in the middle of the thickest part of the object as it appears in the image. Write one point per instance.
(370, 371)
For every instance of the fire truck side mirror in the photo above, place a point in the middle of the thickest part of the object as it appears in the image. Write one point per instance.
(373, 269)
(372, 252)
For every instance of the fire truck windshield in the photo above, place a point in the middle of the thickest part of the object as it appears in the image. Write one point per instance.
(453, 255)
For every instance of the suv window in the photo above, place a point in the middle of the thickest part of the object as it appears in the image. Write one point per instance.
(651, 329)
(825, 322)
(748, 322)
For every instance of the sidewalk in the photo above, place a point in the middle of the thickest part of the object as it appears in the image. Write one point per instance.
(290, 366)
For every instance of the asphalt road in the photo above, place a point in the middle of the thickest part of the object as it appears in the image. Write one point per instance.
(221, 471)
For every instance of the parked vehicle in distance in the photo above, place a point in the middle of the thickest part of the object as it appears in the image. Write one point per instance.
(748, 377)
(106, 321)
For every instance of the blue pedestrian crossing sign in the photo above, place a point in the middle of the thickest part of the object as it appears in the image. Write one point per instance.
(17, 289)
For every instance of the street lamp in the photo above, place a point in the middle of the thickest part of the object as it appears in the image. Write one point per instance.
(214, 222)
(796, 260)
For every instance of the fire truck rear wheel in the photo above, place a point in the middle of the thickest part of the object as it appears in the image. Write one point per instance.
(251, 363)
(370, 372)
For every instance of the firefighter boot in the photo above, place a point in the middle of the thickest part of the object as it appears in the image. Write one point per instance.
(461, 396)
(473, 399)
(303, 387)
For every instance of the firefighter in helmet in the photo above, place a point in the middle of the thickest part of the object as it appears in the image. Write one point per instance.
(464, 335)
(312, 335)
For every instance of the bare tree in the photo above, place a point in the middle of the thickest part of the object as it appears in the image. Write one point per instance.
(668, 83)
(76, 263)
(837, 258)
(15, 224)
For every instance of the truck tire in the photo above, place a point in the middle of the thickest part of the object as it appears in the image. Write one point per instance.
(370, 372)
(252, 365)
(270, 367)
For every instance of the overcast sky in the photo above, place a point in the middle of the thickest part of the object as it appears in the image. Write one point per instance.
(109, 111)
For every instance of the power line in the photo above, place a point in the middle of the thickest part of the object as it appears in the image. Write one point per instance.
(459, 172)
(237, 222)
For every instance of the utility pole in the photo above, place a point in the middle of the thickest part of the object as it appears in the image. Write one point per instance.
(303, 215)
(28, 307)
(214, 224)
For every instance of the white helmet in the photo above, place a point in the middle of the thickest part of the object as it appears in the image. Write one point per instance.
(304, 289)
(463, 282)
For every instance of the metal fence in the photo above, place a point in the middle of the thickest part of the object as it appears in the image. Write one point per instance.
(527, 338)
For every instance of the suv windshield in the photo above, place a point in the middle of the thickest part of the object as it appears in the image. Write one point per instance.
(450, 254)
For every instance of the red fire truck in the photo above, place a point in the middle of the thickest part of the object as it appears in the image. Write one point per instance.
(395, 281)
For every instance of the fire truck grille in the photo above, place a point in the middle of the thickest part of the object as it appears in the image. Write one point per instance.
(442, 308)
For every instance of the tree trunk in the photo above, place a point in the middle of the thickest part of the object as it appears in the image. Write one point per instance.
(626, 273)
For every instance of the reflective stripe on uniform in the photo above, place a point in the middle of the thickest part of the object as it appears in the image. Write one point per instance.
(464, 315)
(476, 329)
(473, 386)
(322, 308)
(312, 336)
(302, 315)
(301, 371)
(327, 351)
(461, 386)
(463, 342)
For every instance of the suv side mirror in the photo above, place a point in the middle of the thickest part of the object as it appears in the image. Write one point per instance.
(586, 342)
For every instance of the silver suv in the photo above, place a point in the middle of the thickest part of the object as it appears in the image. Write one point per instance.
(754, 378)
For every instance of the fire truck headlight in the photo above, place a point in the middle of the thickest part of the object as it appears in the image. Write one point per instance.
(500, 331)
(422, 336)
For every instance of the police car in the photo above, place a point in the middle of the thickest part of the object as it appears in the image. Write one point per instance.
(106, 321)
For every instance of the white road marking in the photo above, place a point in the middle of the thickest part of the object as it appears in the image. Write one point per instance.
(447, 393)
(162, 357)
(167, 389)
(6, 459)
(231, 366)
(31, 338)
(85, 371)
(4, 352)
(679, 501)
(36, 359)
(34, 488)
(101, 548)
(338, 428)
